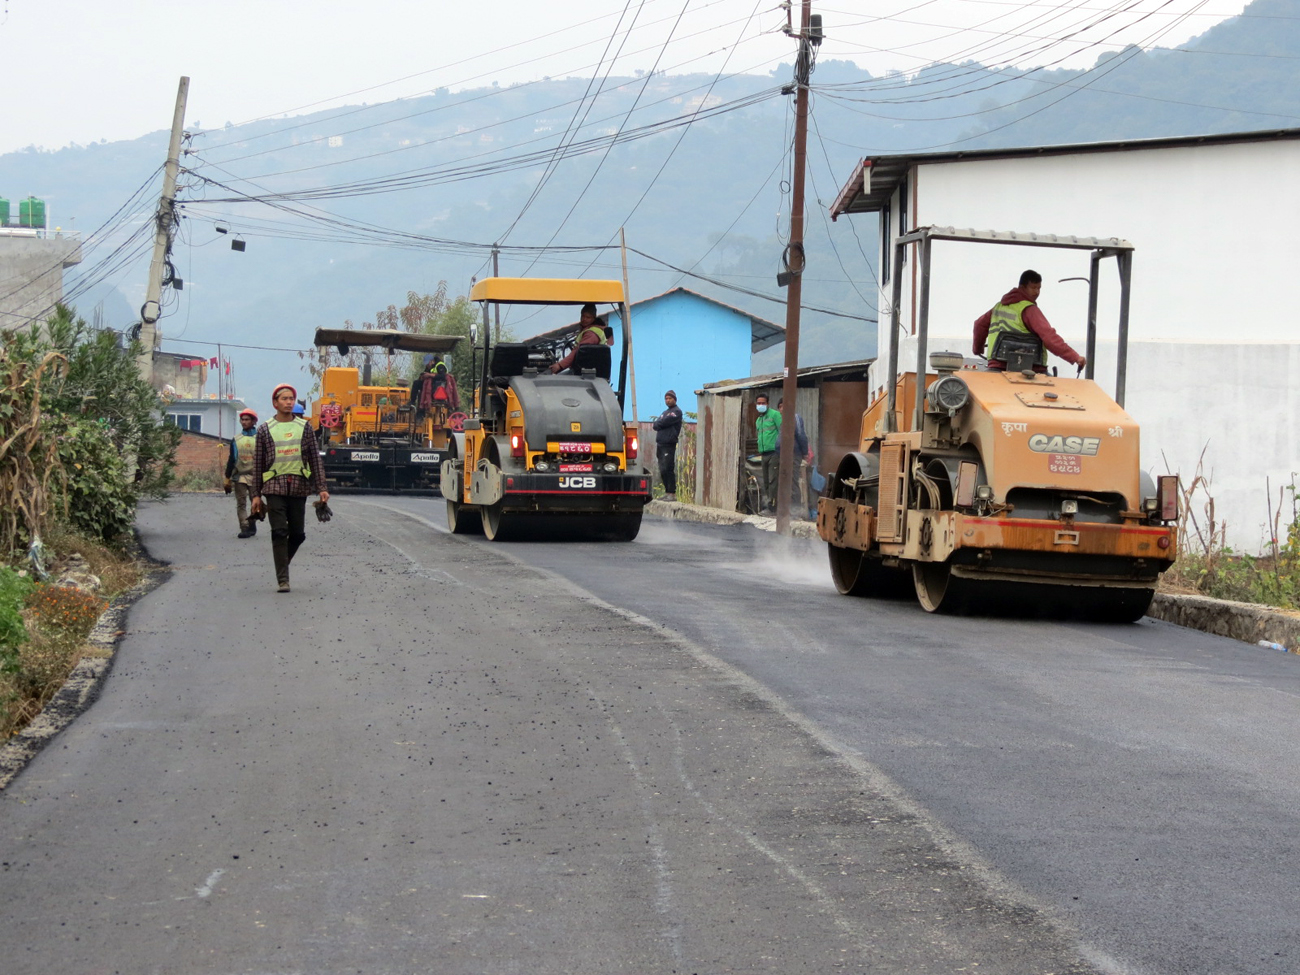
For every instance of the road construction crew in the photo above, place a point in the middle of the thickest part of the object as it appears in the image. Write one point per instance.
(286, 469)
(1017, 313)
(239, 470)
(590, 332)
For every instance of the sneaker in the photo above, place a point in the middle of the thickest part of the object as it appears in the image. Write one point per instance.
(284, 587)
(669, 497)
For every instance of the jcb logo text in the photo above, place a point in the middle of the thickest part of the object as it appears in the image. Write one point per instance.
(577, 482)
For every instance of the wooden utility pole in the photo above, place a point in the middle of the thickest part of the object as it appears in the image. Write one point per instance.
(794, 262)
(165, 227)
(627, 327)
(496, 273)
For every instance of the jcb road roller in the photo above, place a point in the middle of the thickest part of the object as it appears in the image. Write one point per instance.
(1006, 488)
(546, 454)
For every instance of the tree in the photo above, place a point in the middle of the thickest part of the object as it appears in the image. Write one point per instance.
(424, 314)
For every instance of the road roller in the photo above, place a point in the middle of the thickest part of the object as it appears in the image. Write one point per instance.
(1005, 490)
(547, 454)
(374, 437)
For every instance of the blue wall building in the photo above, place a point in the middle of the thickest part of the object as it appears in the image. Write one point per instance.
(681, 340)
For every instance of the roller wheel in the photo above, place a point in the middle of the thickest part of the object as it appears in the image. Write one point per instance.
(857, 574)
(1115, 605)
(498, 524)
(939, 591)
(462, 522)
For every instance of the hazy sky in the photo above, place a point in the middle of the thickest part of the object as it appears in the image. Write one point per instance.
(78, 71)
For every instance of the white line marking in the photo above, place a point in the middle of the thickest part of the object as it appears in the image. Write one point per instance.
(206, 889)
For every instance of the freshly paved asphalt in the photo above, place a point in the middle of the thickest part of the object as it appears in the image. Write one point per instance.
(683, 754)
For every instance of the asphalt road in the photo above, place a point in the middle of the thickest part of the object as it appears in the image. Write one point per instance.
(684, 754)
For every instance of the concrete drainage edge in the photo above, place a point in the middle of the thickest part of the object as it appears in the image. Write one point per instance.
(1238, 621)
(83, 685)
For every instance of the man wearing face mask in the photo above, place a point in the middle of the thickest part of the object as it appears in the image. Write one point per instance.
(768, 427)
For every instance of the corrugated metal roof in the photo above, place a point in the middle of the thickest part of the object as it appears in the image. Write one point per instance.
(875, 177)
(836, 370)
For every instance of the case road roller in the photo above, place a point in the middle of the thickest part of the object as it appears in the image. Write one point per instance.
(1008, 490)
(373, 438)
(547, 456)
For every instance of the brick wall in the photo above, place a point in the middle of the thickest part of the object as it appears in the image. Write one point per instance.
(201, 453)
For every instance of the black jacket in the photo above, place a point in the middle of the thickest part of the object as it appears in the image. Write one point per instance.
(668, 425)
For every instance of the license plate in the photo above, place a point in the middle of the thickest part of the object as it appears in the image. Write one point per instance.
(574, 468)
(574, 448)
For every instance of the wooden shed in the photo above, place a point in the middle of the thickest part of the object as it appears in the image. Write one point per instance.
(831, 400)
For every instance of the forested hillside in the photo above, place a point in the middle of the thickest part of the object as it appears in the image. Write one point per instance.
(344, 212)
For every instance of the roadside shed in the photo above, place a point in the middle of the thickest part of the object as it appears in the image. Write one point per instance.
(831, 400)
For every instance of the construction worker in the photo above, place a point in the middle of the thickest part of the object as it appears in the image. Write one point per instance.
(590, 332)
(286, 469)
(239, 470)
(1018, 313)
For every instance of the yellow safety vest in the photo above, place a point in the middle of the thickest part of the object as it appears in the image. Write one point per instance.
(245, 449)
(286, 435)
(1010, 318)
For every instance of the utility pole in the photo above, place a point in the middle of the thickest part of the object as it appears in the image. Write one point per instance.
(165, 226)
(496, 273)
(809, 37)
(627, 329)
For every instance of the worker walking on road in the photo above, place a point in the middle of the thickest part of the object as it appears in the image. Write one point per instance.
(668, 428)
(286, 469)
(239, 470)
(768, 427)
(1018, 314)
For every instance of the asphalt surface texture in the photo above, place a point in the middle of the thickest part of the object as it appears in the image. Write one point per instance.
(682, 754)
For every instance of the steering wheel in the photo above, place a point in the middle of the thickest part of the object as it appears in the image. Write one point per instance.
(456, 422)
(331, 415)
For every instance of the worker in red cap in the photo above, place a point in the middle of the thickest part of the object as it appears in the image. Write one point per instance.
(286, 469)
(239, 470)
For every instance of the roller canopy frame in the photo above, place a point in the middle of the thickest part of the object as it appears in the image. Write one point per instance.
(1098, 248)
(387, 338)
(548, 291)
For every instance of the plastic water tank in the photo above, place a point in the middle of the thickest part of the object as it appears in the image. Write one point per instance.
(4, 212)
(31, 212)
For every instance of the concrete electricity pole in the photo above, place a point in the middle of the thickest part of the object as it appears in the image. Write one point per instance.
(165, 221)
(809, 35)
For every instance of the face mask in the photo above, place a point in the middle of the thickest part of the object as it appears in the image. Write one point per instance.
(762, 407)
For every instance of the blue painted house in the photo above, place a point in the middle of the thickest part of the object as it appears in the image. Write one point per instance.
(682, 340)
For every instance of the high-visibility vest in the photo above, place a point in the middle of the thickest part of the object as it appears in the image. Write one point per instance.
(1010, 318)
(595, 330)
(245, 448)
(286, 435)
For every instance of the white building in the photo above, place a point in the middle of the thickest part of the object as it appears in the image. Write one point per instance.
(1214, 342)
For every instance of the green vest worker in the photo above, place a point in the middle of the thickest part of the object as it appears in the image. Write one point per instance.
(286, 469)
(239, 470)
(590, 332)
(1018, 313)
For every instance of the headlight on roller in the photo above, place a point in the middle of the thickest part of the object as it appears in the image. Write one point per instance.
(948, 395)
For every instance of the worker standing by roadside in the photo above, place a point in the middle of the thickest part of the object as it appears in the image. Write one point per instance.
(768, 427)
(286, 469)
(239, 470)
(668, 427)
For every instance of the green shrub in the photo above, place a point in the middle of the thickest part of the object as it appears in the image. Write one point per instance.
(13, 634)
(98, 495)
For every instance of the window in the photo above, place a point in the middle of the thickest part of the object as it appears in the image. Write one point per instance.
(187, 421)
